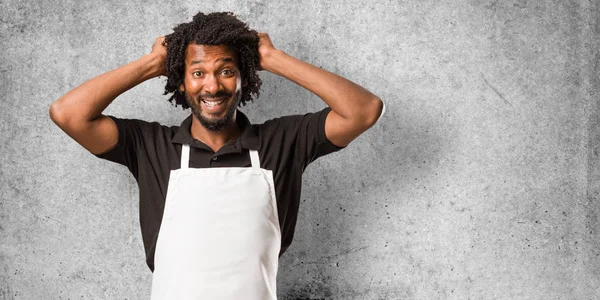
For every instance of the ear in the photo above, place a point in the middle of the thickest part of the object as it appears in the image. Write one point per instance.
(182, 88)
(244, 82)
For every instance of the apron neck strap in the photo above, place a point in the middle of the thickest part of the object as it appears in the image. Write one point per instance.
(185, 156)
(254, 159)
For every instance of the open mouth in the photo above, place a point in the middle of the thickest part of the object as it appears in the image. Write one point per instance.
(213, 102)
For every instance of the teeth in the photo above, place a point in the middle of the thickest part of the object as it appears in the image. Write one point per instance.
(212, 103)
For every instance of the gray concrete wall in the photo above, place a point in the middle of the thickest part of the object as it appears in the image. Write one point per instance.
(481, 182)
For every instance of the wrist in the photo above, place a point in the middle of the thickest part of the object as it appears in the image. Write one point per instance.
(271, 60)
(152, 65)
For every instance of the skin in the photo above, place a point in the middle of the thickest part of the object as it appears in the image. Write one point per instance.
(211, 73)
(79, 112)
(353, 108)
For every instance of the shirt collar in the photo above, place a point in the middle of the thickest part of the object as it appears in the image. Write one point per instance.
(248, 139)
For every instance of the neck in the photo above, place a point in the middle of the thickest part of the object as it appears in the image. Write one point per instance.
(214, 139)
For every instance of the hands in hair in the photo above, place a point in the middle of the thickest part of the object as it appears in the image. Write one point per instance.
(159, 50)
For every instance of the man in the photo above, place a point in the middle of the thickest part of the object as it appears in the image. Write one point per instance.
(219, 196)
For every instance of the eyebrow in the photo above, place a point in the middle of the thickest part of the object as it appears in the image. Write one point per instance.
(224, 59)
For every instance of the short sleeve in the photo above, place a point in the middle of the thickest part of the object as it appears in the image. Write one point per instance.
(129, 141)
(310, 140)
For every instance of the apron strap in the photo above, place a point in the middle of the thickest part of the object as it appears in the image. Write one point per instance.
(185, 156)
(254, 159)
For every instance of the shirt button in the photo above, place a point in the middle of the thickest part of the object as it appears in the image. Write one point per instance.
(214, 158)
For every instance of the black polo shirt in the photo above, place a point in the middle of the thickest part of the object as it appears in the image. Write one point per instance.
(285, 146)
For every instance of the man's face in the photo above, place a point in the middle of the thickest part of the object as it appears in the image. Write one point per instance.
(212, 84)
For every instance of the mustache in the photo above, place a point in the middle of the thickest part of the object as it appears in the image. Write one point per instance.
(209, 96)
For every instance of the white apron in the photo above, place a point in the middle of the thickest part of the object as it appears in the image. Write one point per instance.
(219, 237)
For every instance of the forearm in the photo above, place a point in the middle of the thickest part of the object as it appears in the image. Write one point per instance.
(87, 101)
(346, 98)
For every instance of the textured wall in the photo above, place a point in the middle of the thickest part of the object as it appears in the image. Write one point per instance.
(481, 182)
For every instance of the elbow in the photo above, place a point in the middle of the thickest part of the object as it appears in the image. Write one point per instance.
(59, 115)
(55, 113)
(373, 112)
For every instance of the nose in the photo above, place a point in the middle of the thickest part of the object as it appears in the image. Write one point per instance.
(211, 84)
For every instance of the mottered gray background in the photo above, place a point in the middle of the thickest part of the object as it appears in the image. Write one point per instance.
(482, 181)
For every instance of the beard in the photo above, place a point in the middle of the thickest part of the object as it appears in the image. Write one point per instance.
(214, 125)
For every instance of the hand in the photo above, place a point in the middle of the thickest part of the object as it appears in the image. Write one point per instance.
(265, 50)
(159, 51)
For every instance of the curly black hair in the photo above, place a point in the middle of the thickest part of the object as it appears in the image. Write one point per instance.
(219, 28)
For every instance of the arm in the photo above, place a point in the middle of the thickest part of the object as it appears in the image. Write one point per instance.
(79, 112)
(353, 108)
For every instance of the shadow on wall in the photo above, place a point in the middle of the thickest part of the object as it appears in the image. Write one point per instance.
(351, 203)
(5, 292)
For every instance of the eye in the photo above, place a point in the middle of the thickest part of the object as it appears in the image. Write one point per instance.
(227, 72)
(197, 73)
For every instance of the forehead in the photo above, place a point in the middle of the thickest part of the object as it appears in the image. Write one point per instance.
(203, 54)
